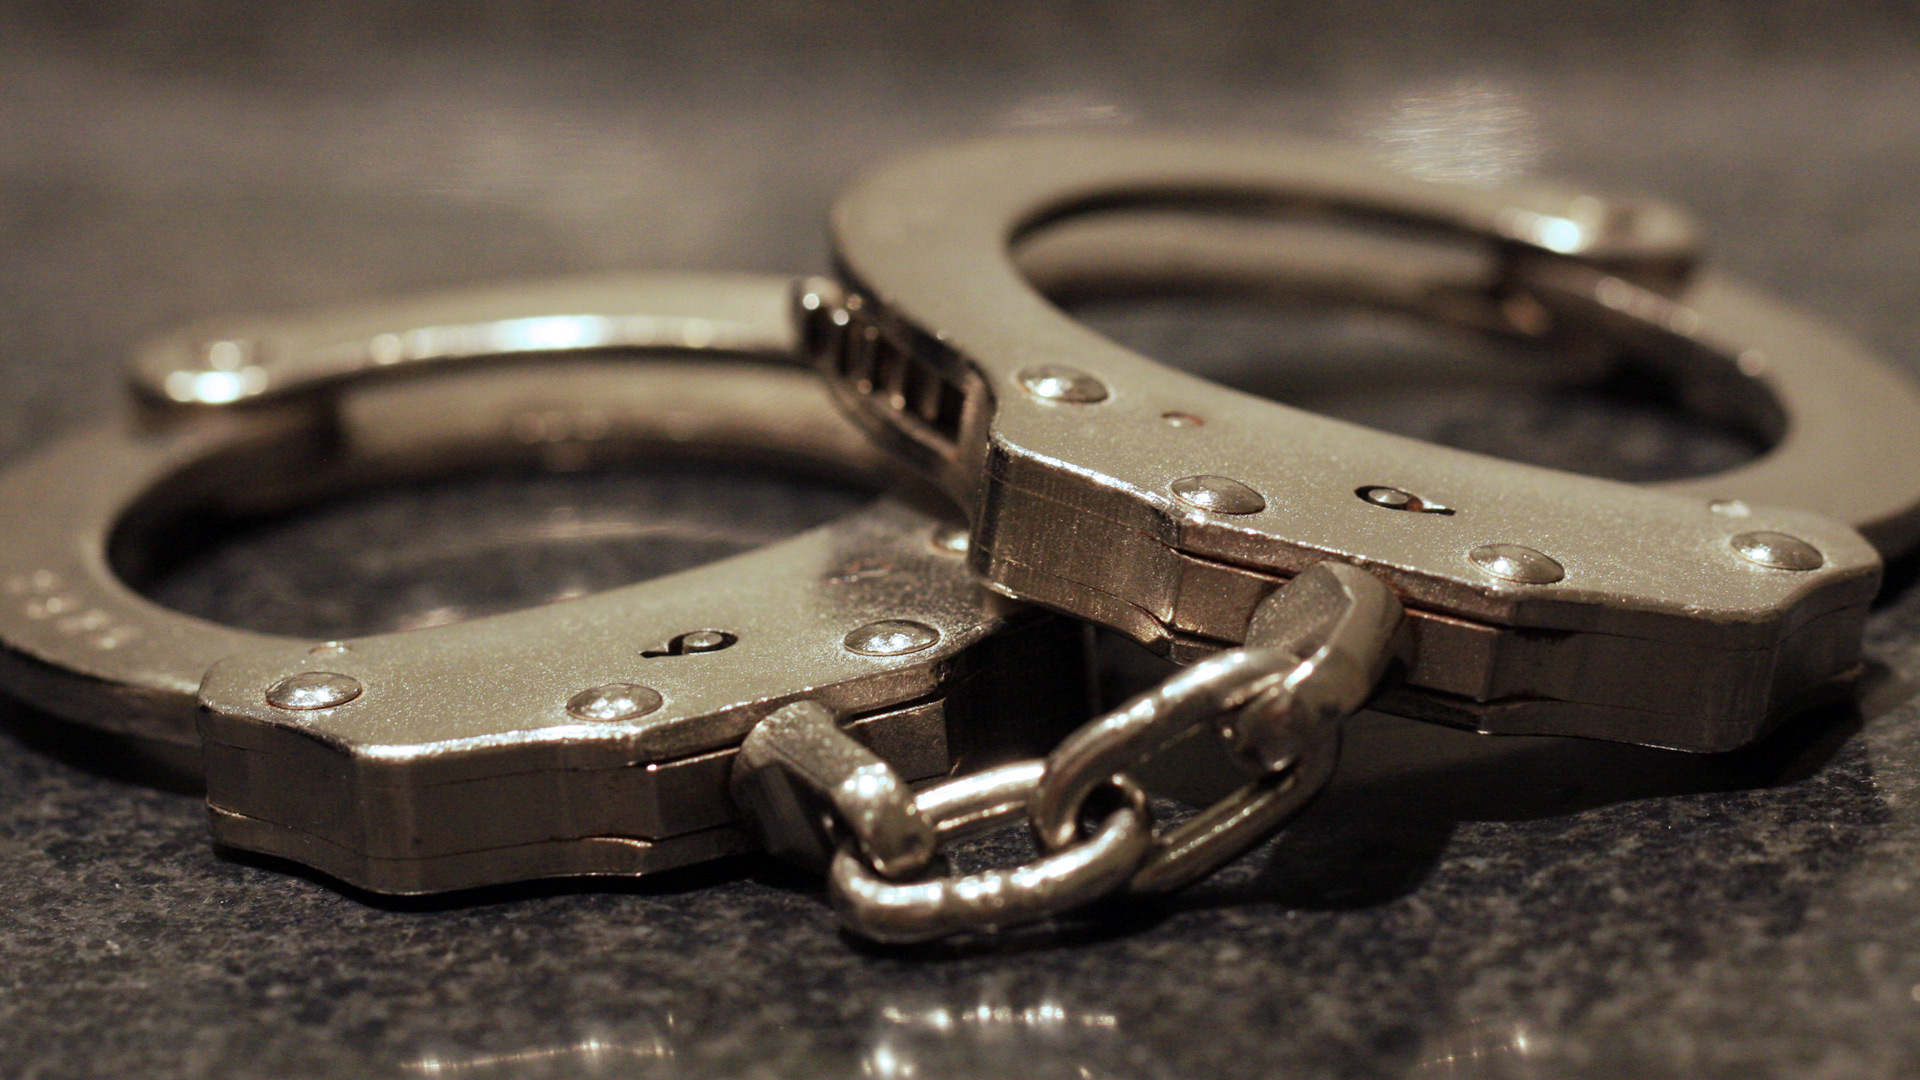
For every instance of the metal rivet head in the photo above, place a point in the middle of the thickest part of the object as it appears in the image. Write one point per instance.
(1182, 419)
(313, 690)
(1778, 551)
(1058, 382)
(1516, 563)
(1219, 494)
(615, 701)
(891, 637)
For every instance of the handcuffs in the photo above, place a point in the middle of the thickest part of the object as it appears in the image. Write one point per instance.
(593, 736)
(1304, 567)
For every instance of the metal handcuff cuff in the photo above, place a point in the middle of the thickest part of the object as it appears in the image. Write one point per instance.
(642, 728)
(594, 736)
(1312, 566)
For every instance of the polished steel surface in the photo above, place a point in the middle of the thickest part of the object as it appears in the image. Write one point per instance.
(358, 772)
(798, 772)
(1582, 911)
(1070, 500)
(1077, 874)
(222, 361)
(583, 737)
(1316, 652)
(1819, 402)
(86, 646)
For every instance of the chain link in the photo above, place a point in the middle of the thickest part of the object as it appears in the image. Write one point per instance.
(1079, 873)
(1316, 650)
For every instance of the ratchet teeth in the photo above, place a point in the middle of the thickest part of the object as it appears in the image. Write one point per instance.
(904, 382)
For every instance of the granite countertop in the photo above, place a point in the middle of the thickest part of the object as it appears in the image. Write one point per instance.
(1571, 911)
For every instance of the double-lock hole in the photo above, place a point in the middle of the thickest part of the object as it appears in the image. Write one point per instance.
(694, 642)
(1393, 498)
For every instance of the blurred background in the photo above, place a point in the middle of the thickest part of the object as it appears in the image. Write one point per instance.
(171, 161)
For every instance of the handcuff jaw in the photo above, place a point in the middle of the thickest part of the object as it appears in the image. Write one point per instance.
(1103, 484)
(584, 737)
(543, 743)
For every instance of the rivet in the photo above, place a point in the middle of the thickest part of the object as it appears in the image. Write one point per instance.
(1778, 551)
(1182, 419)
(950, 539)
(615, 701)
(1516, 563)
(1219, 494)
(313, 690)
(891, 637)
(1058, 382)
(700, 641)
(329, 648)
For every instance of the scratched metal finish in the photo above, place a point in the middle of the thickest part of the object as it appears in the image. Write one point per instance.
(1580, 912)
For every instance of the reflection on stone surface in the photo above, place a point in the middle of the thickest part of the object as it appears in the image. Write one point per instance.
(595, 1054)
(1478, 1050)
(1001, 1031)
(1002, 1034)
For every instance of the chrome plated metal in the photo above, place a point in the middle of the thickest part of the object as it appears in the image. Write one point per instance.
(1655, 631)
(223, 361)
(891, 637)
(1219, 494)
(1777, 551)
(798, 773)
(1344, 626)
(313, 690)
(1084, 871)
(1836, 417)
(1321, 646)
(1278, 546)
(1058, 382)
(552, 741)
(1517, 563)
(978, 802)
(614, 701)
(1316, 652)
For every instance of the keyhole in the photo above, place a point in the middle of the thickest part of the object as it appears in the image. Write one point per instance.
(695, 641)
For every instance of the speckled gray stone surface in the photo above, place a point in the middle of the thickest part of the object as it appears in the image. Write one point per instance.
(1564, 912)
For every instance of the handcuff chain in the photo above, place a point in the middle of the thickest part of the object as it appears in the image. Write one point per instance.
(1316, 650)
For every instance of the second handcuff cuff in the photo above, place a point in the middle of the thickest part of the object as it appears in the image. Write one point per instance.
(592, 736)
(1501, 597)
